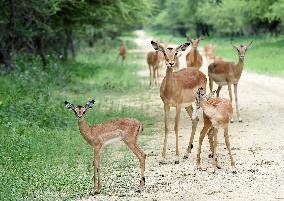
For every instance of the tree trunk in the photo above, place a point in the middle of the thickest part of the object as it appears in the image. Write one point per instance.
(69, 44)
(39, 42)
(5, 57)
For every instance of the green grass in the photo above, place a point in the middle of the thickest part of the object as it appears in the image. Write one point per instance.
(42, 154)
(266, 55)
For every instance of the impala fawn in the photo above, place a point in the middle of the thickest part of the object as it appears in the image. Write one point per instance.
(217, 113)
(126, 130)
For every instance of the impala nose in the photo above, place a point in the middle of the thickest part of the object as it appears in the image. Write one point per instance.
(171, 64)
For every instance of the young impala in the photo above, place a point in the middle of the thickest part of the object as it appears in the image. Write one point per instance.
(217, 113)
(126, 130)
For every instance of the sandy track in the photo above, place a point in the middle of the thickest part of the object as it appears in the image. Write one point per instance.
(257, 147)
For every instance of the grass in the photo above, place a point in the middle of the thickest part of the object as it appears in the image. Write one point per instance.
(42, 154)
(265, 56)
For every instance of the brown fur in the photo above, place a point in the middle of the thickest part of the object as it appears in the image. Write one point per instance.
(155, 62)
(176, 87)
(126, 130)
(209, 51)
(178, 90)
(217, 113)
(194, 58)
(122, 51)
(228, 73)
(177, 66)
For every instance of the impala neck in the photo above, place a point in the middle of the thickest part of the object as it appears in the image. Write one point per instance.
(85, 130)
(169, 80)
(195, 54)
(240, 67)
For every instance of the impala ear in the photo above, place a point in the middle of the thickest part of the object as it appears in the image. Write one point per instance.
(69, 106)
(157, 46)
(89, 104)
(201, 37)
(182, 47)
(210, 95)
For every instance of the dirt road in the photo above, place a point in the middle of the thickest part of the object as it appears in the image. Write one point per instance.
(257, 147)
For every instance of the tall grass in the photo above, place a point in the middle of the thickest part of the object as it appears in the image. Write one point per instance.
(266, 55)
(42, 155)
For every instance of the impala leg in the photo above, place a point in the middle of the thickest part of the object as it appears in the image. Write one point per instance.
(237, 104)
(212, 140)
(193, 130)
(201, 138)
(227, 141)
(231, 98)
(97, 177)
(141, 156)
(230, 92)
(210, 84)
(167, 110)
(158, 76)
(218, 90)
(214, 163)
(178, 109)
(155, 75)
(150, 69)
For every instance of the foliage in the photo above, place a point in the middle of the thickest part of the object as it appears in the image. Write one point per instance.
(45, 26)
(219, 17)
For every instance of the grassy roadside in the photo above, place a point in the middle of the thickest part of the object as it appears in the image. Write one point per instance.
(42, 154)
(265, 56)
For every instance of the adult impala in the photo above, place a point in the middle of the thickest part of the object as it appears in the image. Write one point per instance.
(178, 90)
(126, 130)
(194, 58)
(228, 73)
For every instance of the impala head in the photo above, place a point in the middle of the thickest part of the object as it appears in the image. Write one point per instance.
(79, 110)
(242, 50)
(195, 42)
(200, 95)
(170, 54)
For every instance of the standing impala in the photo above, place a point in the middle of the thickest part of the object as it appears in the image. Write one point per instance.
(122, 51)
(126, 130)
(154, 60)
(217, 113)
(194, 58)
(178, 90)
(228, 73)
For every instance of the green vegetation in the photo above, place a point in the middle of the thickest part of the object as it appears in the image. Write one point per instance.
(43, 155)
(219, 17)
(60, 27)
(265, 56)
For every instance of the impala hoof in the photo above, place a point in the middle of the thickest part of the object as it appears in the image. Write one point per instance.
(162, 162)
(95, 192)
(176, 162)
(185, 157)
(210, 156)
